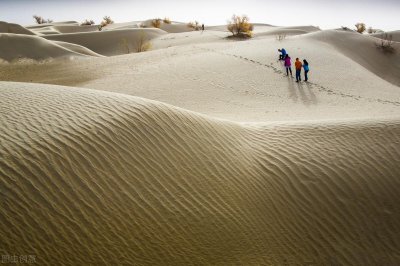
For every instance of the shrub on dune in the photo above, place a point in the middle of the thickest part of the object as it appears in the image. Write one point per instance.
(143, 44)
(167, 20)
(87, 22)
(386, 43)
(360, 27)
(240, 26)
(156, 23)
(106, 21)
(194, 25)
(41, 20)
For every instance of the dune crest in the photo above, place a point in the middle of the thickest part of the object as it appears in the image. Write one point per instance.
(104, 178)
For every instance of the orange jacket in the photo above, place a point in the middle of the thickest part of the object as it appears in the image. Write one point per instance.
(298, 65)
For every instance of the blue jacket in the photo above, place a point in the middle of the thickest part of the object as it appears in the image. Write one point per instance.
(283, 51)
(306, 68)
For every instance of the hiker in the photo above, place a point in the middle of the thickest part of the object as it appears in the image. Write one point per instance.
(288, 65)
(298, 66)
(306, 69)
(202, 27)
(283, 54)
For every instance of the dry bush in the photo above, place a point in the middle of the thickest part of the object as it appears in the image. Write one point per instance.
(106, 21)
(124, 45)
(194, 25)
(40, 20)
(386, 43)
(346, 28)
(371, 30)
(142, 25)
(156, 23)
(240, 26)
(88, 22)
(167, 20)
(360, 27)
(280, 37)
(143, 44)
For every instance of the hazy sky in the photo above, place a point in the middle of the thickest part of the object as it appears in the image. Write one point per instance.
(383, 14)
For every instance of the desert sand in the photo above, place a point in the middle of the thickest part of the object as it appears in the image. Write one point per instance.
(200, 151)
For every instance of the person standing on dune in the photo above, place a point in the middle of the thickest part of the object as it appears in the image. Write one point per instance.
(306, 69)
(288, 65)
(298, 66)
(202, 27)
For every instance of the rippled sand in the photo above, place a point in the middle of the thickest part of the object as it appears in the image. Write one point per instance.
(98, 178)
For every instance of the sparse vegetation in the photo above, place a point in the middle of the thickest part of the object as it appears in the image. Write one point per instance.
(143, 44)
(240, 26)
(346, 28)
(371, 30)
(280, 37)
(167, 20)
(360, 27)
(41, 20)
(87, 22)
(386, 43)
(156, 23)
(194, 25)
(106, 21)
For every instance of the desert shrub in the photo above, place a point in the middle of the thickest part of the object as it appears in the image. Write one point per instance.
(386, 43)
(346, 28)
(280, 37)
(156, 23)
(167, 20)
(240, 26)
(124, 45)
(106, 21)
(40, 20)
(142, 25)
(87, 22)
(360, 27)
(194, 25)
(143, 44)
(371, 30)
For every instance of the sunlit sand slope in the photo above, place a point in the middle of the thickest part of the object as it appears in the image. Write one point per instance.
(97, 178)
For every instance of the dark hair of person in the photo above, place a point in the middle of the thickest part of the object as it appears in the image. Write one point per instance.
(305, 62)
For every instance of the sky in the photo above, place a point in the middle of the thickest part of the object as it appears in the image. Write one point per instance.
(327, 14)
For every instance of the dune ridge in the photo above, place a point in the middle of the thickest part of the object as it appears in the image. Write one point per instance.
(104, 178)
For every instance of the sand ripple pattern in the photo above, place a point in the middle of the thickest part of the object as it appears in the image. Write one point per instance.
(96, 178)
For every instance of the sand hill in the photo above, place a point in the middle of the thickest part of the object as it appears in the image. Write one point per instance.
(198, 152)
(18, 46)
(103, 178)
(14, 28)
(109, 42)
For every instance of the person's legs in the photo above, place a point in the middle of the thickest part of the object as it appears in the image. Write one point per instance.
(287, 71)
(290, 69)
(306, 75)
(298, 75)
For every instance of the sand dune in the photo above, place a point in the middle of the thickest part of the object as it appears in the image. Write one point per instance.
(109, 42)
(362, 49)
(91, 177)
(14, 28)
(17, 46)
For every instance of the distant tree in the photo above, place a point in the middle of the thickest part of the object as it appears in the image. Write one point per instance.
(41, 20)
(87, 22)
(360, 27)
(240, 26)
